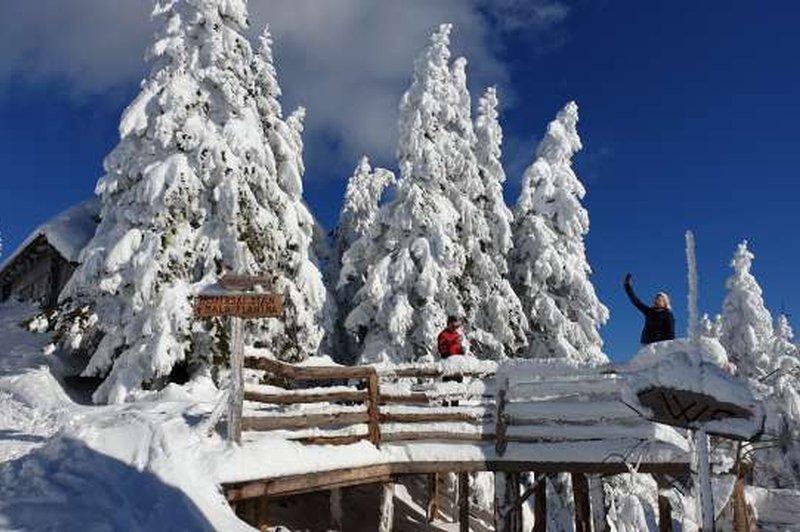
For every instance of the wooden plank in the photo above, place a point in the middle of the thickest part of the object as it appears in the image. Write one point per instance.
(412, 398)
(310, 373)
(332, 440)
(236, 394)
(373, 410)
(583, 510)
(540, 503)
(463, 502)
(570, 411)
(433, 417)
(304, 421)
(435, 435)
(432, 511)
(356, 396)
(376, 473)
(239, 305)
(598, 387)
(335, 503)
(687, 409)
(386, 514)
(501, 423)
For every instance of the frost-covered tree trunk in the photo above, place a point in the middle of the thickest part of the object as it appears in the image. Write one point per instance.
(551, 273)
(746, 323)
(205, 179)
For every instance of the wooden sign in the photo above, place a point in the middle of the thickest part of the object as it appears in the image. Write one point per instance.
(683, 408)
(230, 281)
(239, 305)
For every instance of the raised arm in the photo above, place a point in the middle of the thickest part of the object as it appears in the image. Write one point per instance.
(638, 303)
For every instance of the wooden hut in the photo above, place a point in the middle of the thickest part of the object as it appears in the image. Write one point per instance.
(40, 267)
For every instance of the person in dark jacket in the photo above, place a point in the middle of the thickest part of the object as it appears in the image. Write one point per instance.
(659, 323)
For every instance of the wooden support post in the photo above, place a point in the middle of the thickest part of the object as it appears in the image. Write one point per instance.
(262, 514)
(500, 423)
(664, 506)
(540, 503)
(463, 502)
(236, 396)
(598, 503)
(433, 497)
(583, 510)
(704, 494)
(507, 503)
(741, 517)
(386, 517)
(336, 509)
(372, 409)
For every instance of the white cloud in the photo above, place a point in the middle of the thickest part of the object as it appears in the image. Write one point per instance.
(347, 61)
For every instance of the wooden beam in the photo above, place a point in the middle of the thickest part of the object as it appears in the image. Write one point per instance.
(463, 502)
(332, 440)
(302, 483)
(336, 509)
(583, 509)
(304, 421)
(373, 409)
(236, 396)
(311, 373)
(501, 424)
(432, 417)
(432, 511)
(262, 514)
(435, 435)
(298, 398)
(540, 503)
(386, 516)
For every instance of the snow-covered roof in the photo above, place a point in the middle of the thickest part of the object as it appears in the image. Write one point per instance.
(68, 232)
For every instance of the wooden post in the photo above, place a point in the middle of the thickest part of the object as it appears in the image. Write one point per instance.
(262, 514)
(500, 423)
(664, 506)
(386, 517)
(336, 509)
(372, 409)
(463, 502)
(236, 396)
(433, 497)
(507, 503)
(598, 503)
(583, 510)
(741, 517)
(704, 480)
(540, 503)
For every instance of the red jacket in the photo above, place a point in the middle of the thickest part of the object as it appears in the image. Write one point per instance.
(449, 343)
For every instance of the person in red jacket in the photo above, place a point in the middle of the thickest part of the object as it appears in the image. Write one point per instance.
(450, 341)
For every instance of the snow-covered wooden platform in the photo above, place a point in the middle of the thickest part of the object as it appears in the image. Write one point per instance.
(309, 428)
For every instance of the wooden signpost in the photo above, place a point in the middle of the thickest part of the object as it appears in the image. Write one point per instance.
(238, 305)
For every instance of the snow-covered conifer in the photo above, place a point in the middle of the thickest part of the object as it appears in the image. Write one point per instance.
(192, 190)
(551, 273)
(426, 252)
(746, 323)
(709, 328)
(498, 216)
(357, 218)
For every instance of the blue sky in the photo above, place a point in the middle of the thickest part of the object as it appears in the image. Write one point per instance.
(689, 115)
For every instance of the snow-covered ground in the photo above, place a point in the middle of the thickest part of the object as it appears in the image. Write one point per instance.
(69, 466)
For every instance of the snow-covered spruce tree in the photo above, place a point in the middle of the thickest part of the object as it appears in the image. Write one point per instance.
(356, 219)
(711, 329)
(425, 251)
(193, 189)
(550, 270)
(746, 323)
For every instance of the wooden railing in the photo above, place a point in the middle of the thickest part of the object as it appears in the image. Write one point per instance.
(409, 403)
